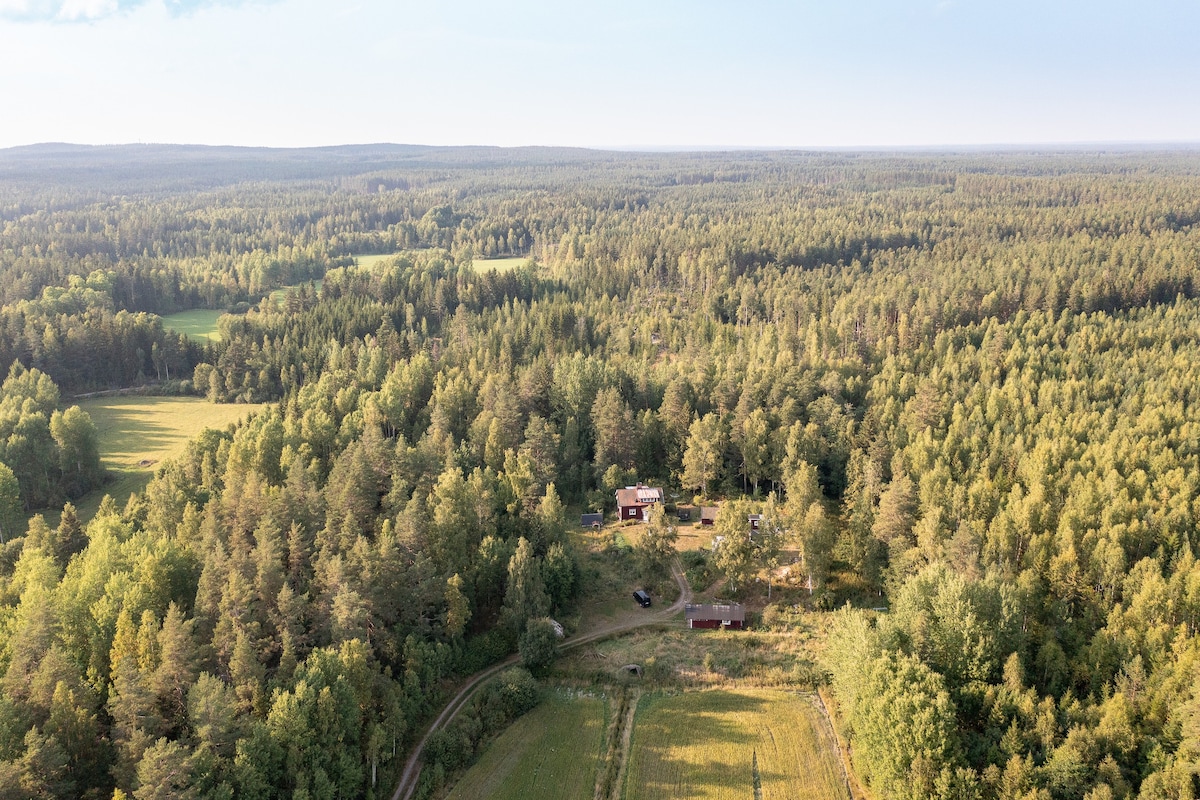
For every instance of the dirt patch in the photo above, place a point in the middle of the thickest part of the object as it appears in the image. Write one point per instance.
(146, 462)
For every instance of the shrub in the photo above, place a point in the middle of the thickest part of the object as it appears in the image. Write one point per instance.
(538, 646)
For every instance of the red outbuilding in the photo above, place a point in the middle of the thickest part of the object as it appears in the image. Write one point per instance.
(732, 615)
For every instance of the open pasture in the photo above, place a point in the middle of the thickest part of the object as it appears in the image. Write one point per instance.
(551, 753)
(373, 260)
(199, 324)
(498, 264)
(136, 434)
(734, 744)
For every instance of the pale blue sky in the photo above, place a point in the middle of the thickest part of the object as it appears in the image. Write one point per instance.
(842, 73)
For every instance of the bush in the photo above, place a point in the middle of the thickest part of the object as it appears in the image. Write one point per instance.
(514, 691)
(538, 646)
(486, 649)
(696, 567)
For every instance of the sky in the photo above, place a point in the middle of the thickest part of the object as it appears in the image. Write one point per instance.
(653, 73)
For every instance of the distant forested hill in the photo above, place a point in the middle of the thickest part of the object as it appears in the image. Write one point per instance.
(967, 379)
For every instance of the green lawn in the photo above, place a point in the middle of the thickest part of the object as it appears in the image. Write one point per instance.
(136, 434)
(711, 744)
(551, 753)
(199, 324)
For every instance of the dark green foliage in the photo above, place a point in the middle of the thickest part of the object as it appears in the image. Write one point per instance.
(500, 701)
(538, 646)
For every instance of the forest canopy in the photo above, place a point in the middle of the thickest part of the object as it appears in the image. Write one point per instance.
(964, 381)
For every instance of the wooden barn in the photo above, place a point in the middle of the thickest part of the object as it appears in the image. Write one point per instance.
(634, 502)
(732, 616)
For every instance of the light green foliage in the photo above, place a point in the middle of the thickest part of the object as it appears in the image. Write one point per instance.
(525, 596)
(702, 458)
(907, 730)
(655, 546)
(10, 502)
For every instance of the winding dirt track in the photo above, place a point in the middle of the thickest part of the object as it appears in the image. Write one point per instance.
(412, 767)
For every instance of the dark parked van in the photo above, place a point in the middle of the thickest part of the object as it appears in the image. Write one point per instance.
(642, 598)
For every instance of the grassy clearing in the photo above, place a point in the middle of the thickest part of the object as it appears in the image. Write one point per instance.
(551, 753)
(373, 260)
(137, 433)
(277, 297)
(610, 574)
(675, 657)
(731, 744)
(199, 325)
(498, 264)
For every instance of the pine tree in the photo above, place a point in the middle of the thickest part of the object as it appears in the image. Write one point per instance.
(177, 667)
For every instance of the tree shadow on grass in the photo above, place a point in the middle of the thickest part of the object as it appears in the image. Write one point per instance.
(685, 748)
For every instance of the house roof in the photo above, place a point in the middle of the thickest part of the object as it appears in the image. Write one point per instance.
(591, 519)
(628, 497)
(734, 612)
(708, 512)
(646, 494)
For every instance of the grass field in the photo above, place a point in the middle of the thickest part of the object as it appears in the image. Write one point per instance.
(551, 753)
(498, 264)
(199, 325)
(730, 743)
(366, 262)
(278, 295)
(137, 433)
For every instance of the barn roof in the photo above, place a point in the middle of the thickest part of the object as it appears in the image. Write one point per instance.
(735, 612)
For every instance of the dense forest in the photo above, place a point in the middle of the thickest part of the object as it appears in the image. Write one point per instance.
(960, 385)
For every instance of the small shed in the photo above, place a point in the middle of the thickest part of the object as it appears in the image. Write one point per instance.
(708, 515)
(718, 615)
(591, 521)
(755, 520)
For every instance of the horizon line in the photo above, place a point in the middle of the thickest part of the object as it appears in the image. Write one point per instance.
(1141, 144)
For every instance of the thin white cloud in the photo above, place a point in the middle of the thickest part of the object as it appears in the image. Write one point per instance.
(92, 10)
(61, 10)
(81, 10)
(28, 9)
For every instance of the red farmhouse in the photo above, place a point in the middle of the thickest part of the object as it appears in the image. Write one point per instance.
(633, 502)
